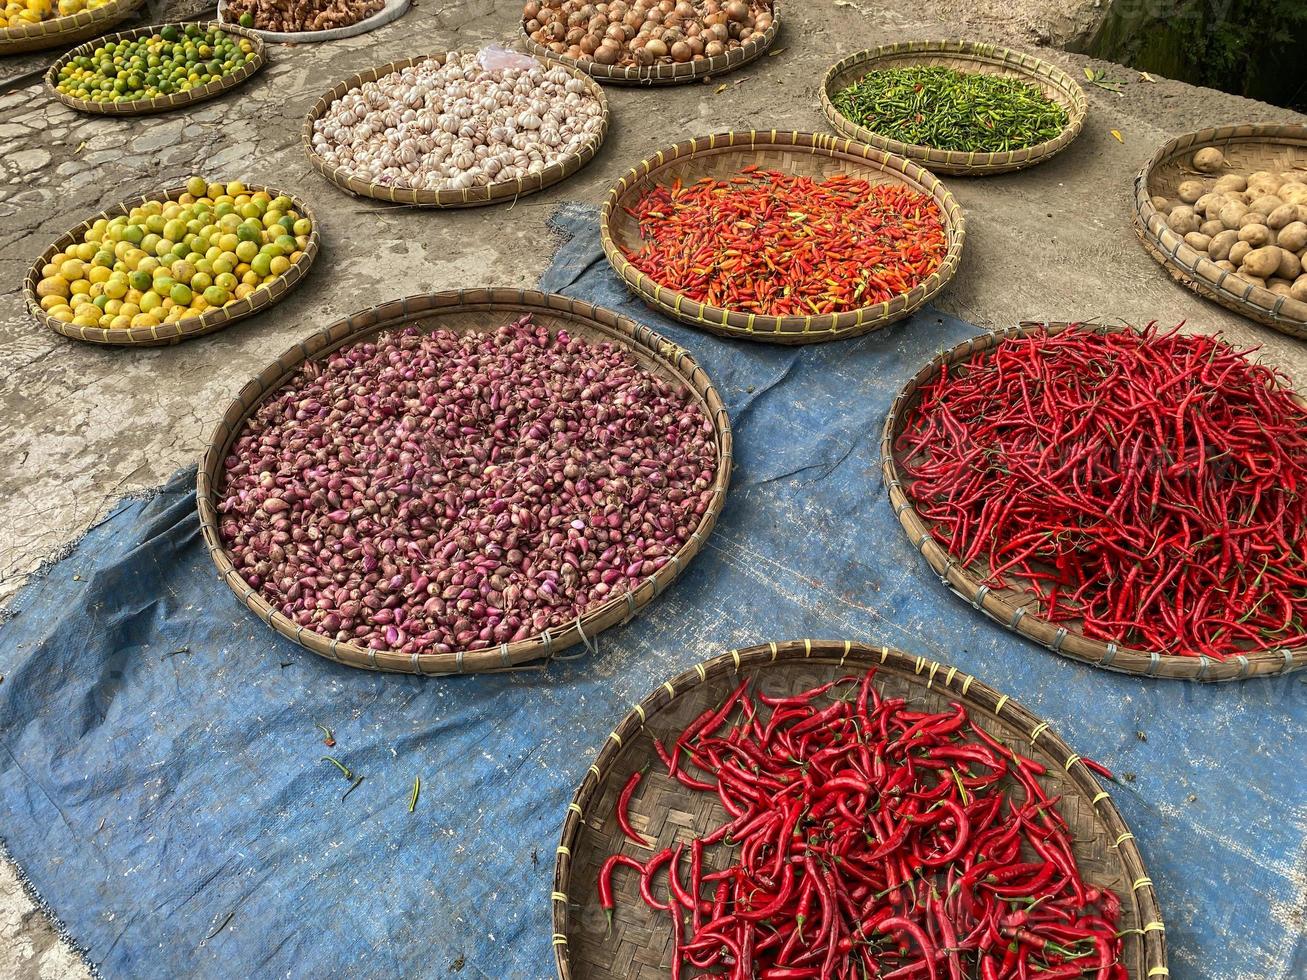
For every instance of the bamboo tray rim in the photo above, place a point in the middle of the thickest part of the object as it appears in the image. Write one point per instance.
(959, 162)
(977, 696)
(785, 328)
(214, 318)
(491, 193)
(640, 341)
(673, 74)
(1017, 618)
(1195, 269)
(161, 103)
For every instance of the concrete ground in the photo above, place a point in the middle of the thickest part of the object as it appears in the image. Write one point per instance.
(82, 425)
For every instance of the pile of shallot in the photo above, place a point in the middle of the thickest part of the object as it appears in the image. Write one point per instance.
(645, 32)
(430, 492)
(457, 125)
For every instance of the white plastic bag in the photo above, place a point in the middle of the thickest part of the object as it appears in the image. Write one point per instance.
(496, 57)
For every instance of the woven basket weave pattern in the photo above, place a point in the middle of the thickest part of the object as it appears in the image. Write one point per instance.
(812, 154)
(1015, 609)
(640, 945)
(673, 74)
(469, 197)
(1247, 149)
(162, 103)
(210, 320)
(464, 310)
(965, 56)
(60, 31)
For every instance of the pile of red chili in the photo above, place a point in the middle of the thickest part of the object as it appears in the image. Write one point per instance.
(782, 245)
(1149, 486)
(869, 840)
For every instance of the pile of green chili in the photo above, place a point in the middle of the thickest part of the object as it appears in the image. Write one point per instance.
(931, 105)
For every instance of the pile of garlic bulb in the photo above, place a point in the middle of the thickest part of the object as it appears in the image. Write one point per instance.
(456, 125)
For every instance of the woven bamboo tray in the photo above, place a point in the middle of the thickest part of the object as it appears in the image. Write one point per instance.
(504, 190)
(468, 310)
(163, 103)
(640, 945)
(967, 56)
(1247, 148)
(60, 31)
(1015, 609)
(673, 74)
(814, 154)
(170, 333)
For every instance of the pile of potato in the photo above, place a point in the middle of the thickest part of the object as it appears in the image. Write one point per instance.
(1254, 226)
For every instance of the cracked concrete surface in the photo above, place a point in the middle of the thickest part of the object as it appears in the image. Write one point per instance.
(82, 425)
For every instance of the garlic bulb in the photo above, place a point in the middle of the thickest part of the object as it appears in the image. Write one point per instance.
(454, 126)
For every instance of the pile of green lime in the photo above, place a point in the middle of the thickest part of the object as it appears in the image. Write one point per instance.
(178, 58)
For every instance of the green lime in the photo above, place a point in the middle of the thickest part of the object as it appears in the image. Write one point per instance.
(181, 294)
(247, 20)
(261, 263)
(141, 280)
(249, 231)
(216, 296)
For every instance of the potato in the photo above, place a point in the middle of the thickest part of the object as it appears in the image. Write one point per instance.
(1225, 265)
(1299, 289)
(1182, 220)
(1238, 251)
(1161, 204)
(1208, 160)
(1290, 268)
(1285, 214)
(1293, 193)
(1292, 236)
(1220, 246)
(1252, 218)
(1230, 182)
(1255, 235)
(1211, 228)
(1264, 177)
(1280, 287)
(1190, 191)
(1293, 177)
(1262, 262)
(1210, 203)
(1231, 213)
(1197, 241)
(1266, 203)
(1248, 277)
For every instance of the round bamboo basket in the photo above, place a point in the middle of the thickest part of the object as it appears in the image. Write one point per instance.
(1247, 148)
(640, 944)
(170, 333)
(673, 74)
(462, 311)
(813, 154)
(162, 103)
(1014, 608)
(969, 56)
(61, 31)
(504, 190)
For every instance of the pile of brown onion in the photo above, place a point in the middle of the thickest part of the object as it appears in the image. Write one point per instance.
(642, 33)
(429, 492)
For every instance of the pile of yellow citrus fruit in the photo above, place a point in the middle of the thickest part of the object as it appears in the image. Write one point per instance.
(165, 261)
(17, 14)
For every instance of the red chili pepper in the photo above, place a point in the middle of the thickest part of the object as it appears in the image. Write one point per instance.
(623, 805)
(784, 245)
(1143, 485)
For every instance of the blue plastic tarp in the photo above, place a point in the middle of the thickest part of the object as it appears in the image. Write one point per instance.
(161, 782)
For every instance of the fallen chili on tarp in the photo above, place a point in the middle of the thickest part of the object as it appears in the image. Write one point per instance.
(870, 840)
(776, 244)
(1150, 487)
